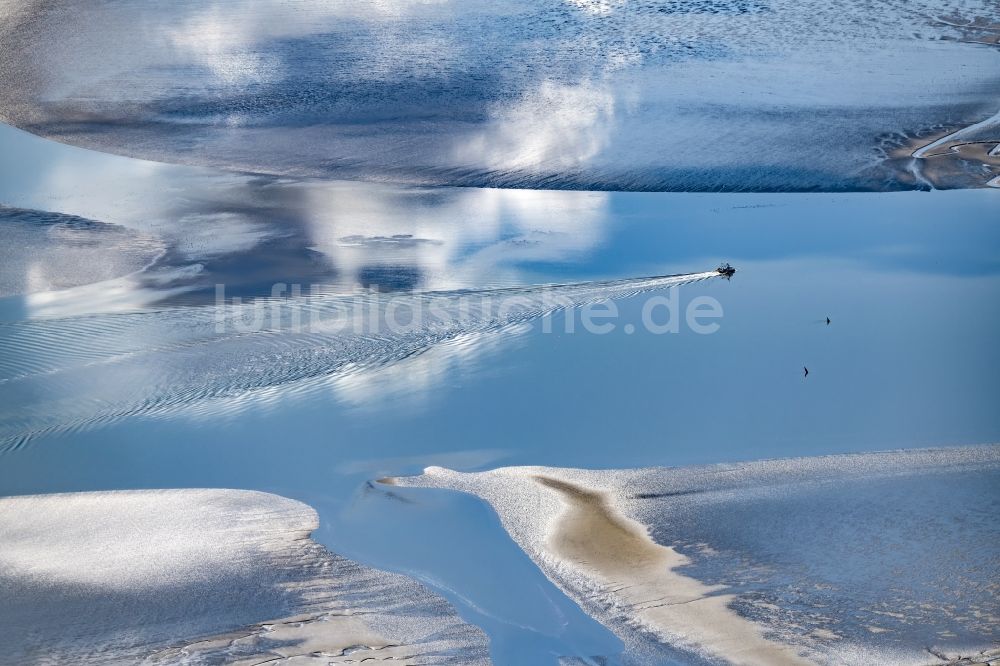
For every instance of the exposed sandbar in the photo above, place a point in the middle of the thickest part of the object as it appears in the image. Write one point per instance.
(590, 532)
(199, 577)
(617, 553)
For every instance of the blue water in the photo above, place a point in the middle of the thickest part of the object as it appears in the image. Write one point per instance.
(114, 381)
(694, 95)
(904, 363)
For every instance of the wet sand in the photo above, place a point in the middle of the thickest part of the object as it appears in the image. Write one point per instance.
(966, 156)
(654, 555)
(987, 658)
(608, 564)
(572, 110)
(200, 577)
(617, 553)
(950, 157)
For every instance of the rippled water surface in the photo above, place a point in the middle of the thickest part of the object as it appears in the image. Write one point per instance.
(586, 94)
(129, 382)
(301, 247)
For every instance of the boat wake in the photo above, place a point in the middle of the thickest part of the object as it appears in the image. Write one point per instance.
(96, 369)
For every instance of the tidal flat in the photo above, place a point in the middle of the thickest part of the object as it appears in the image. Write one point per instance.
(549, 332)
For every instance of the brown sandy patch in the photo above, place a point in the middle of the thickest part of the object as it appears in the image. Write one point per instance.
(307, 640)
(617, 553)
(957, 164)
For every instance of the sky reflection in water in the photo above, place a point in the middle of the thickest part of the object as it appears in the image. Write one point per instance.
(577, 95)
(583, 94)
(910, 282)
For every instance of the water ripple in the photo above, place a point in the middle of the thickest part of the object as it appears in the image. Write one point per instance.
(68, 374)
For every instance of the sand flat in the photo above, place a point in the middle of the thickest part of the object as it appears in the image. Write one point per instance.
(766, 562)
(202, 576)
(617, 552)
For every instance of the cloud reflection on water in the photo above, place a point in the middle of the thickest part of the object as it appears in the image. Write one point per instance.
(250, 232)
(662, 95)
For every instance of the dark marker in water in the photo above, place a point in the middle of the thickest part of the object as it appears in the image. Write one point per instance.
(807, 371)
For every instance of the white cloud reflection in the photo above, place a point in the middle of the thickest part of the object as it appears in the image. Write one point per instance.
(459, 237)
(450, 238)
(598, 7)
(511, 93)
(444, 238)
(555, 127)
(411, 381)
(231, 39)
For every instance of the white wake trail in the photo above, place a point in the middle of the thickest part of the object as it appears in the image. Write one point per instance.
(65, 374)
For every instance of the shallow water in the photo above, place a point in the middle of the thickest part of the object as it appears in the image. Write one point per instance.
(139, 577)
(849, 558)
(912, 302)
(328, 277)
(852, 559)
(673, 95)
